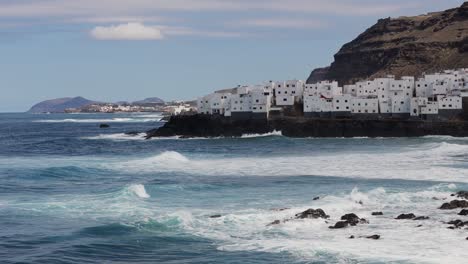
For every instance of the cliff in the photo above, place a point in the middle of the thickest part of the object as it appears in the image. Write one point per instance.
(59, 105)
(402, 46)
(216, 126)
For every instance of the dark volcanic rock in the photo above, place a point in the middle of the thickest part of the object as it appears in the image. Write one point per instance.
(402, 46)
(312, 213)
(340, 224)
(457, 223)
(377, 213)
(373, 237)
(406, 216)
(104, 126)
(215, 126)
(463, 212)
(352, 237)
(454, 204)
(349, 220)
(215, 216)
(462, 194)
(352, 219)
(316, 198)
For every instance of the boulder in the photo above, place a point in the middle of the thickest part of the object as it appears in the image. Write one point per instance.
(375, 237)
(377, 213)
(312, 213)
(316, 198)
(457, 223)
(454, 204)
(352, 237)
(463, 212)
(340, 224)
(104, 126)
(462, 194)
(215, 216)
(406, 216)
(352, 219)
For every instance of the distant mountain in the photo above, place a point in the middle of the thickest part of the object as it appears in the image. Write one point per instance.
(60, 104)
(150, 100)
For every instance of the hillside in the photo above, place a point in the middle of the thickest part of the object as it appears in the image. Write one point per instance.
(403, 46)
(59, 105)
(150, 100)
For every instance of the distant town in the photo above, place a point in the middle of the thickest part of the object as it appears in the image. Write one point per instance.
(169, 108)
(435, 96)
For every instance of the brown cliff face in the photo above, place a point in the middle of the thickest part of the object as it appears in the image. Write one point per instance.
(403, 46)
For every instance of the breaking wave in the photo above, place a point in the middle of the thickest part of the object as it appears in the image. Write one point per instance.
(109, 120)
(139, 190)
(436, 162)
(274, 133)
(118, 137)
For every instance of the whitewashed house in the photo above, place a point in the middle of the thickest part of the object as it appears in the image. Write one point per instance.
(289, 92)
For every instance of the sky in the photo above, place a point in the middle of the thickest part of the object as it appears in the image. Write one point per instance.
(126, 50)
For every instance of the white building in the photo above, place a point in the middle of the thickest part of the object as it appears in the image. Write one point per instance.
(289, 92)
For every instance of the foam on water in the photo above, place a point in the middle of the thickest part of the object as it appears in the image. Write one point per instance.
(110, 120)
(245, 229)
(139, 190)
(274, 133)
(401, 240)
(118, 137)
(435, 161)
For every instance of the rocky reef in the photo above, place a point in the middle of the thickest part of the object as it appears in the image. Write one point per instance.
(402, 46)
(217, 126)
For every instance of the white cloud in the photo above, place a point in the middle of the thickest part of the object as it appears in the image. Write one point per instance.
(129, 31)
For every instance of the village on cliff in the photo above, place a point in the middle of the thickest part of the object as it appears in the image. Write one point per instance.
(437, 96)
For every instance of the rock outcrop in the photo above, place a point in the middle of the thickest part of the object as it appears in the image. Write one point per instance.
(216, 126)
(403, 46)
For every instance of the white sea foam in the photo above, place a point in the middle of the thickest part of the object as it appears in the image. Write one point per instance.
(433, 161)
(118, 137)
(241, 229)
(401, 240)
(139, 190)
(105, 120)
(274, 133)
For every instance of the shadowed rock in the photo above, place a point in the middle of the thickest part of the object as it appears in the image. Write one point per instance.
(377, 213)
(312, 213)
(405, 216)
(454, 204)
(375, 237)
(104, 126)
(340, 224)
(462, 194)
(463, 212)
(215, 216)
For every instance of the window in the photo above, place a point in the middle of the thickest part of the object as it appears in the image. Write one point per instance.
(345, 101)
(256, 101)
(337, 101)
(284, 99)
(337, 108)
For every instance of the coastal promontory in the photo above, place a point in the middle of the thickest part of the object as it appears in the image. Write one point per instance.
(402, 46)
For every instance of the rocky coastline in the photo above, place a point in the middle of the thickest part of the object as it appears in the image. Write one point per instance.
(201, 125)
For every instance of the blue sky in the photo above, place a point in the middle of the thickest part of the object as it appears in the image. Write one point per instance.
(113, 50)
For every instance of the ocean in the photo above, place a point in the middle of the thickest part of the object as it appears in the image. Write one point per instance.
(71, 192)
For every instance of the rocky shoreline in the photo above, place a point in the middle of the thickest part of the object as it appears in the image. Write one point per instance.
(217, 126)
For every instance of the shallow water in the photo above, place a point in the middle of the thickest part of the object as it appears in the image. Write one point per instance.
(71, 192)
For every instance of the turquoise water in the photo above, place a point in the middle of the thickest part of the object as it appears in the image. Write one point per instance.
(71, 192)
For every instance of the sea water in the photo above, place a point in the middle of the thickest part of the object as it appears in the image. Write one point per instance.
(71, 192)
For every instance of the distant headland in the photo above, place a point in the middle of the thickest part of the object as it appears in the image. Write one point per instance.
(82, 105)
